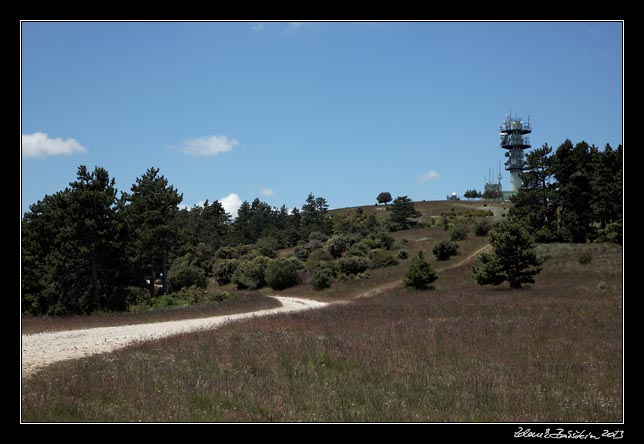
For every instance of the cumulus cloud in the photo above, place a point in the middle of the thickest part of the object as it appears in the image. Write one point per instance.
(208, 146)
(41, 145)
(267, 192)
(431, 175)
(231, 203)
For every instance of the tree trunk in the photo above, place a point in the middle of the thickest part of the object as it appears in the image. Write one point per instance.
(95, 284)
(164, 279)
(152, 289)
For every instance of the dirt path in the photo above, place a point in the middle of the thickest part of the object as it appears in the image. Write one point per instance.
(470, 258)
(41, 349)
(391, 285)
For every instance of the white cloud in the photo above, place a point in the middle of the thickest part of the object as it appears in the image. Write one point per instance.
(431, 175)
(183, 206)
(41, 145)
(267, 192)
(293, 27)
(258, 27)
(208, 146)
(231, 203)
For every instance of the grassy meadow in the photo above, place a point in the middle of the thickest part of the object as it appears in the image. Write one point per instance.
(551, 352)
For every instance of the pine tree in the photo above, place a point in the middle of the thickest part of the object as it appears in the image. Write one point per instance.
(514, 258)
(151, 212)
(535, 203)
(402, 213)
(73, 248)
(420, 274)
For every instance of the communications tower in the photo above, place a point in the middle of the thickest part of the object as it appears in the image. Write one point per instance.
(514, 139)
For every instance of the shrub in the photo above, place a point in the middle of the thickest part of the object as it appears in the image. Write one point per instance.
(337, 244)
(359, 249)
(458, 233)
(316, 257)
(381, 258)
(380, 239)
(281, 273)
(613, 232)
(186, 296)
(445, 222)
(225, 253)
(232, 252)
(224, 269)
(321, 278)
(420, 274)
(182, 274)
(403, 254)
(319, 236)
(302, 252)
(444, 250)
(267, 246)
(483, 228)
(585, 257)
(250, 274)
(352, 265)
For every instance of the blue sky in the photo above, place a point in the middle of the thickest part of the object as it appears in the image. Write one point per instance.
(276, 110)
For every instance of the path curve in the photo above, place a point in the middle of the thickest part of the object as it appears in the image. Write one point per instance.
(41, 349)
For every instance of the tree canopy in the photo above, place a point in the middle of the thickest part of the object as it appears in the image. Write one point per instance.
(571, 195)
(514, 258)
(403, 214)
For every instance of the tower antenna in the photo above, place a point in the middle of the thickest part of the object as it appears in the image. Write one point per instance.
(514, 139)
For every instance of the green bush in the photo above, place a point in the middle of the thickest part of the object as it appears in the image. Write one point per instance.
(381, 258)
(613, 232)
(186, 296)
(444, 250)
(224, 269)
(316, 257)
(380, 239)
(352, 265)
(403, 254)
(420, 274)
(585, 257)
(267, 246)
(321, 278)
(302, 252)
(250, 274)
(281, 273)
(458, 233)
(232, 252)
(337, 244)
(482, 228)
(319, 236)
(359, 249)
(182, 274)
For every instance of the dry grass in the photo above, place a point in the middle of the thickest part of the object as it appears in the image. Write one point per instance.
(548, 353)
(417, 239)
(240, 304)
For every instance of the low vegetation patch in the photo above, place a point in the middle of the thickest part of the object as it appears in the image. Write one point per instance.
(445, 249)
(458, 353)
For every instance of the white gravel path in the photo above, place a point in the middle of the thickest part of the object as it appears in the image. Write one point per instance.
(41, 349)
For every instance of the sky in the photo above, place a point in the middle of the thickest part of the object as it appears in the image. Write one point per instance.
(231, 111)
